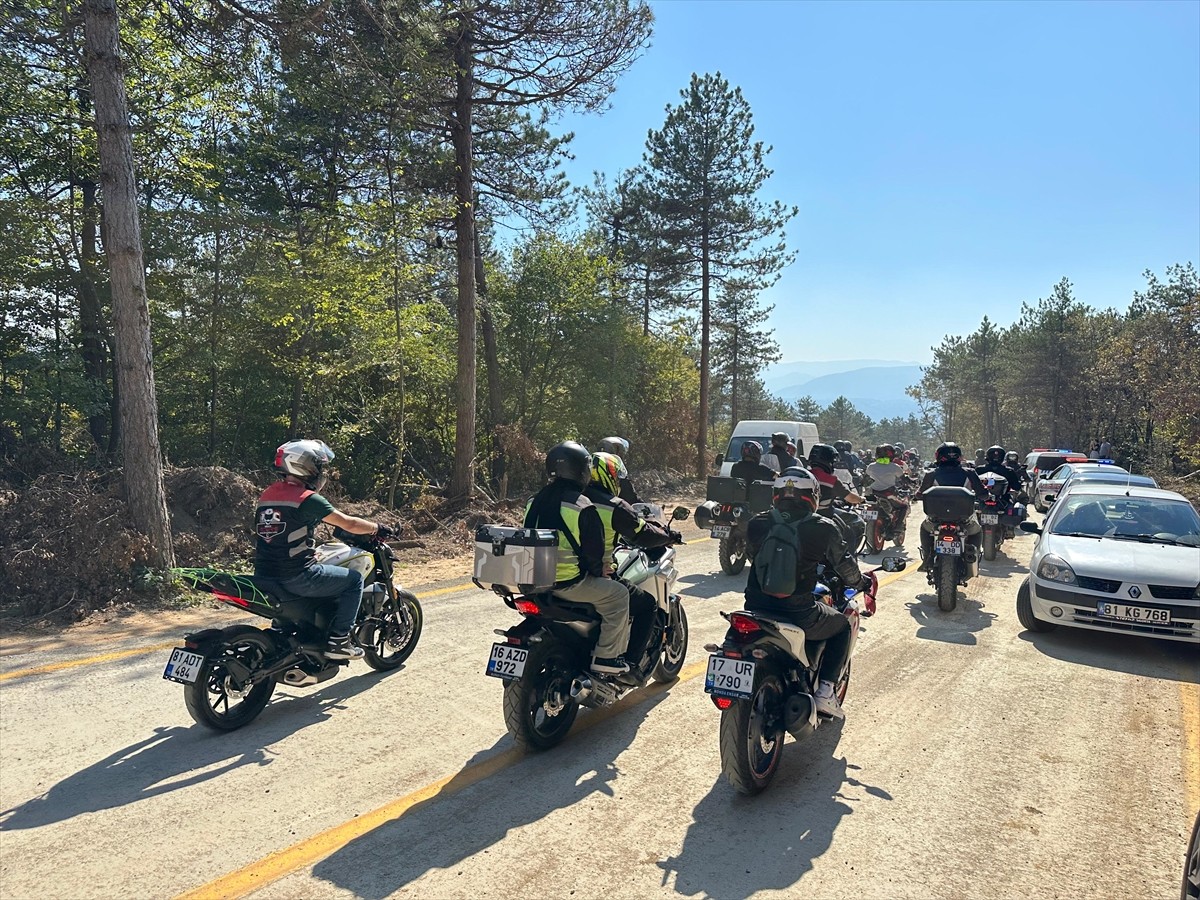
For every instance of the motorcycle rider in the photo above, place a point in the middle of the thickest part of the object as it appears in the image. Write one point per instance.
(285, 520)
(996, 462)
(619, 447)
(848, 465)
(821, 461)
(750, 468)
(796, 496)
(582, 551)
(622, 520)
(1012, 460)
(980, 458)
(949, 470)
(884, 477)
(779, 458)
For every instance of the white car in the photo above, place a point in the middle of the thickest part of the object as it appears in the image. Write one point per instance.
(1047, 488)
(1116, 558)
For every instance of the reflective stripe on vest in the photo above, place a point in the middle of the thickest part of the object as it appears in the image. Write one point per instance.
(567, 567)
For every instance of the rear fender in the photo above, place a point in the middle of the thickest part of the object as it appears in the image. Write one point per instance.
(202, 640)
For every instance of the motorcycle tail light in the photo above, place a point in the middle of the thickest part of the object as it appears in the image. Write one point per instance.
(191, 645)
(527, 607)
(230, 598)
(743, 624)
(947, 537)
(722, 702)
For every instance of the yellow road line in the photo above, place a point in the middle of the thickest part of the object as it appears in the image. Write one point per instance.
(86, 661)
(281, 863)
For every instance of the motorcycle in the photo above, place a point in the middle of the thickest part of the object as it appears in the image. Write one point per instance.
(729, 506)
(763, 678)
(228, 674)
(884, 522)
(544, 659)
(994, 511)
(954, 560)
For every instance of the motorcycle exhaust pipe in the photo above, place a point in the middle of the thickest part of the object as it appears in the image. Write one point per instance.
(593, 693)
(581, 689)
(800, 715)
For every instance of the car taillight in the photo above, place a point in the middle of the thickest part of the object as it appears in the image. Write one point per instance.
(722, 702)
(743, 624)
(527, 607)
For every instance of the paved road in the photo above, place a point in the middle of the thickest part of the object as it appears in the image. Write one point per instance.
(976, 760)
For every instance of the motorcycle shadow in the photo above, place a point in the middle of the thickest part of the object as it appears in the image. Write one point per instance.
(150, 767)
(706, 587)
(738, 846)
(472, 811)
(956, 627)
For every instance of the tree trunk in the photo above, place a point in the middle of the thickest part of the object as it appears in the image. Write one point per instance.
(91, 328)
(131, 312)
(491, 362)
(702, 429)
(462, 480)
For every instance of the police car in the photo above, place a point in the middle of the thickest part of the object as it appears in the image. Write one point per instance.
(1042, 461)
(1051, 486)
(1116, 558)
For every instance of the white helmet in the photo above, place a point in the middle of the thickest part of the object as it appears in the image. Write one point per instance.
(794, 486)
(306, 460)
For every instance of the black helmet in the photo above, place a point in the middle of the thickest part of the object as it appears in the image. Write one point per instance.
(779, 439)
(995, 455)
(752, 451)
(822, 456)
(796, 490)
(617, 446)
(948, 454)
(1012, 457)
(571, 462)
(885, 451)
(841, 446)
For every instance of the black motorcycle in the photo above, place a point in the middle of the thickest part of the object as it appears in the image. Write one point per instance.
(729, 506)
(544, 659)
(764, 678)
(954, 562)
(228, 674)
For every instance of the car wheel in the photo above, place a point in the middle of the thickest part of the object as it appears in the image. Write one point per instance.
(1025, 610)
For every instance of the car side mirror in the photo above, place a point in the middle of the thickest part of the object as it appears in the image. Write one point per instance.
(680, 513)
(1050, 498)
(720, 458)
(1031, 527)
(894, 564)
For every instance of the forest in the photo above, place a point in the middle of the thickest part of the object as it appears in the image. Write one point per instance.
(354, 225)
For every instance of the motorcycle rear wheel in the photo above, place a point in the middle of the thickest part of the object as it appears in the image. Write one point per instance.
(947, 585)
(673, 654)
(547, 678)
(733, 554)
(396, 635)
(211, 700)
(989, 544)
(875, 536)
(749, 754)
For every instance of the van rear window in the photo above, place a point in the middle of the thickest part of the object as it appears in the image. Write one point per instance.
(735, 445)
(1050, 460)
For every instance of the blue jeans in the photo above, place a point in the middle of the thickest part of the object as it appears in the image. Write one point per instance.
(330, 581)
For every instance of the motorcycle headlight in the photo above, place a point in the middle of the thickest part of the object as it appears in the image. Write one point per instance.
(1055, 568)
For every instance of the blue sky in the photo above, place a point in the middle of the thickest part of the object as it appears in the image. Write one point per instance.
(948, 158)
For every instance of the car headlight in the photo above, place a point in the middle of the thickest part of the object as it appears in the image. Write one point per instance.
(1055, 568)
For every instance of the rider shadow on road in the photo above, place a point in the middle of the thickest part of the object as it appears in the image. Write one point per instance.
(738, 846)
(955, 627)
(483, 803)
(161, 763)
(705, 587)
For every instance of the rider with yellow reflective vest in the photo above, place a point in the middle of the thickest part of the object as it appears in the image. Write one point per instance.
(622, 521)
(582, 551)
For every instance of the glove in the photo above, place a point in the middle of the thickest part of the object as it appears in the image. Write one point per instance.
(385, 532)
(869, 588)
(676, 537)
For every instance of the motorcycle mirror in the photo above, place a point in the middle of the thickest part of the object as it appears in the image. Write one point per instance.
(680, 513)
(1050, 498)
(894, 564)
(1031, 527)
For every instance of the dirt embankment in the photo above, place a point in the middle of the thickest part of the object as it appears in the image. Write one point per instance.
(69, 552)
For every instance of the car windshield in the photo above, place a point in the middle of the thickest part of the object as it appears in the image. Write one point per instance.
(1048, 462)
(1148, 519)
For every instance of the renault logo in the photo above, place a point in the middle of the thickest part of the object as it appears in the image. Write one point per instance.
(1135, 592)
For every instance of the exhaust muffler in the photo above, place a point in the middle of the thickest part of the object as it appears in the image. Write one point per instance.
(800, 714)
(593, 693)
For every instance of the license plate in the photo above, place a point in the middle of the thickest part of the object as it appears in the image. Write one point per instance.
(949, 548)
(720, 531)
(990, 518)
(869, 515)
(732, 678)
(1133, 613)
(507, 661)
(183, 666)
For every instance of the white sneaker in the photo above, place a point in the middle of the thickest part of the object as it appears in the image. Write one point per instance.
(827, 701)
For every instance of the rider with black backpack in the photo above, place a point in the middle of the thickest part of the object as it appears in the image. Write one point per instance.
(787, 544)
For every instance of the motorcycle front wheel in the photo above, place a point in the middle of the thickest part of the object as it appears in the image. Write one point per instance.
(733, 554)
(671, 663)
(213, 700)
(752, 738)
(538, 709)
(947, 585)
(390, 640)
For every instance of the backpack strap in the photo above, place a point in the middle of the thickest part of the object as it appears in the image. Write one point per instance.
(551, 513)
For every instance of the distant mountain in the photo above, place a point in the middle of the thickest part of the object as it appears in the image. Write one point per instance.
(786, 376)
(876, 390)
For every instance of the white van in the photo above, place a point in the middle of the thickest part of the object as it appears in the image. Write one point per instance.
(803, 434)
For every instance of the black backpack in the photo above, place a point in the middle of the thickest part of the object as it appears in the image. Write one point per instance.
(776, 561)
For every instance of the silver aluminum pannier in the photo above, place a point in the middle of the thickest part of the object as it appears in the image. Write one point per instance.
(518, 559)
